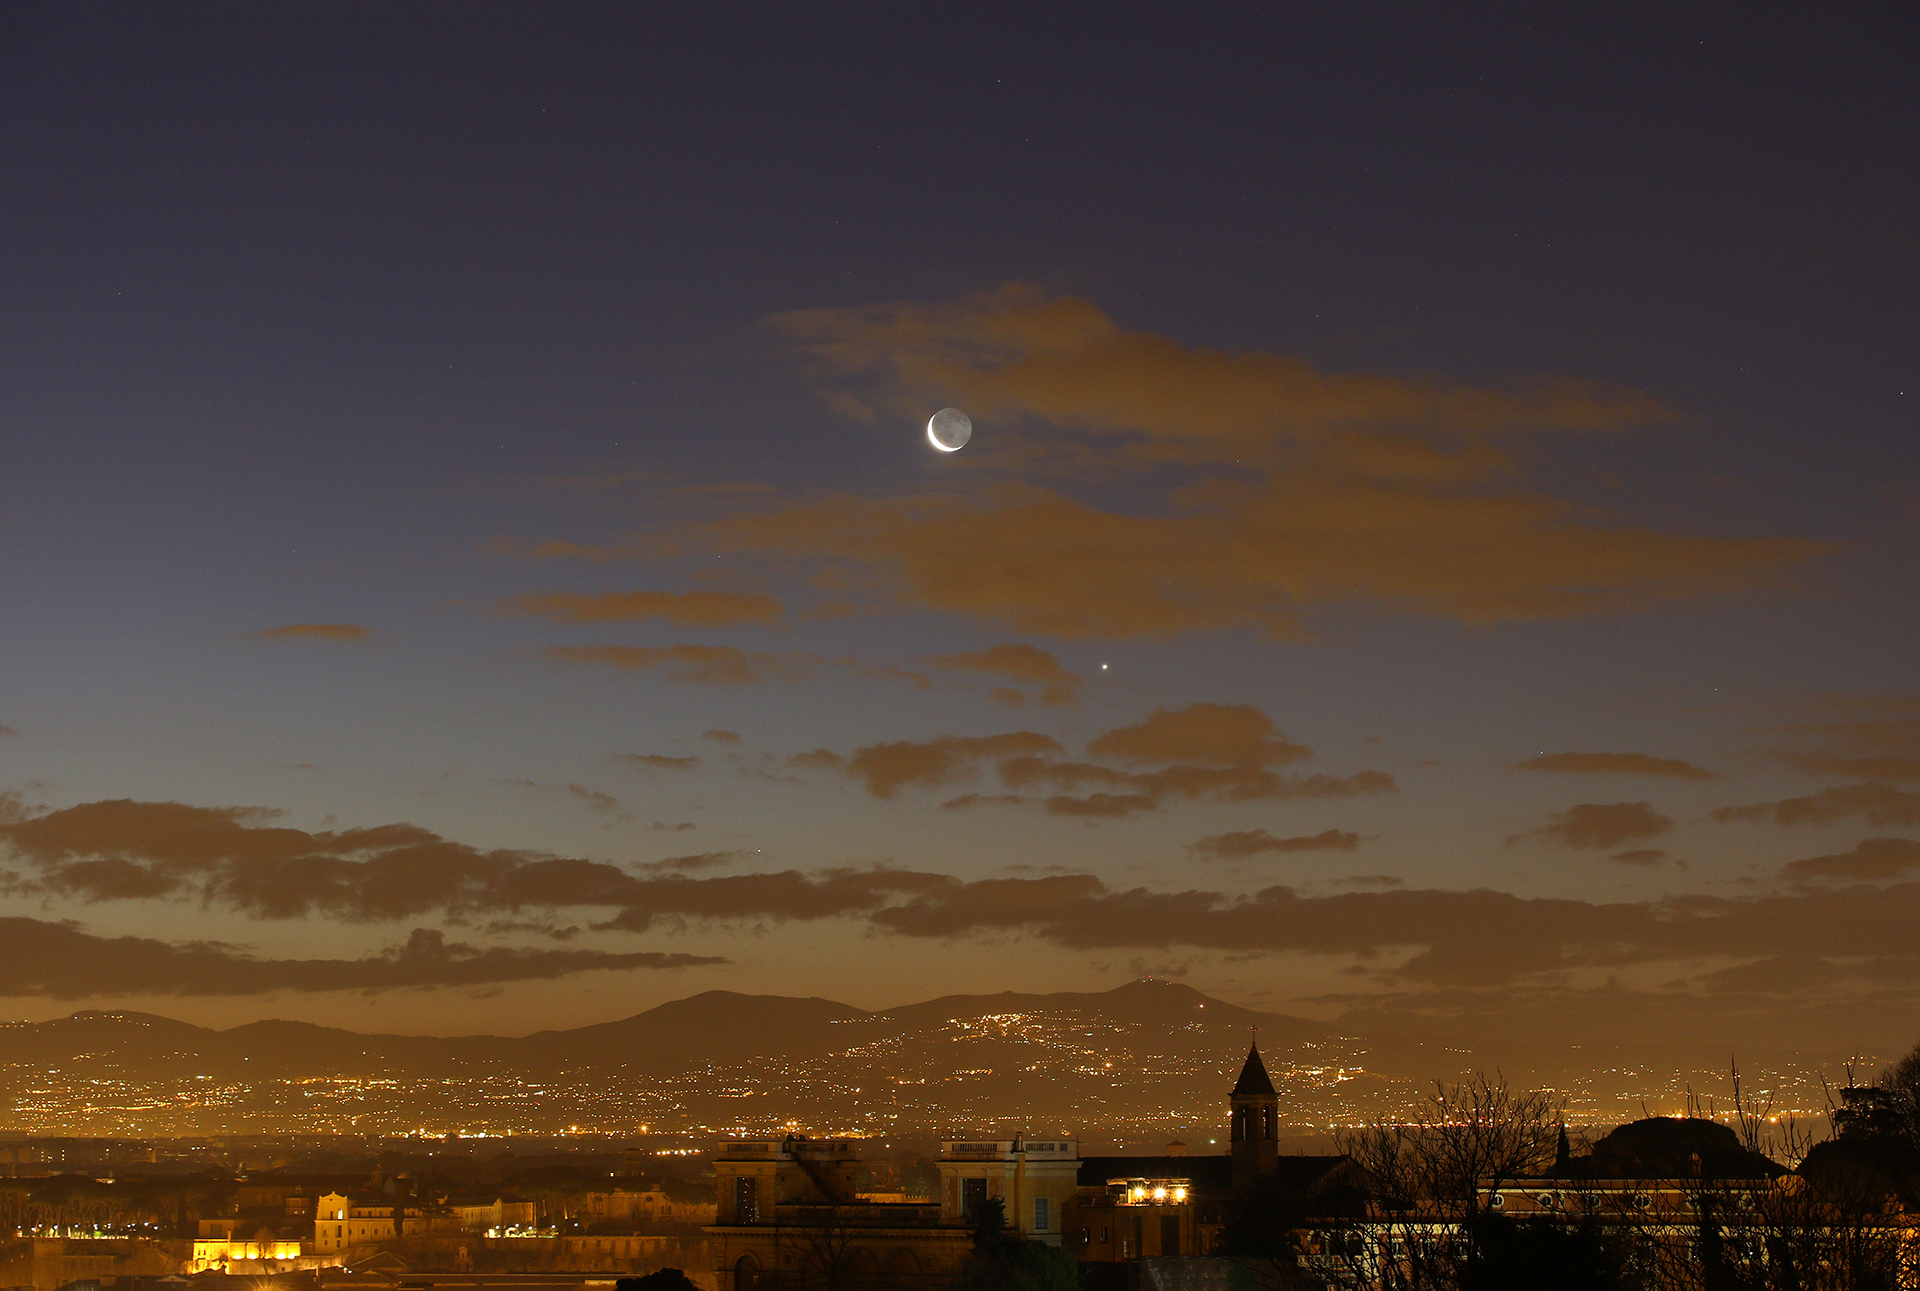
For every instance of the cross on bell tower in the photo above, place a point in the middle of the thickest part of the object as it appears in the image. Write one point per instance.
(1255, 1108)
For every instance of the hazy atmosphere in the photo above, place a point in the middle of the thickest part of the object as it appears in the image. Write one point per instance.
(1435, 552)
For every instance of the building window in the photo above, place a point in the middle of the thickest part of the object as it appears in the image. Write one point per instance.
(1042, 1217)
(745, 1211)
(973, 1194)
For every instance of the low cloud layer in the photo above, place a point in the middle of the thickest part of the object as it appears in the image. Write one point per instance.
(1847, 907)
(689, 609)
(1599, 824)
(1239, 844)
(1216, 752)
(890, 766)
(1875, 858)
(718, 665)
(61, 961)
(1028, 665)
(1640, 856)
(238, 859)
(657, 761)
(1877, 804)
(1859, 738)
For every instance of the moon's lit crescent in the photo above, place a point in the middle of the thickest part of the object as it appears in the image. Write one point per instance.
(949, 430)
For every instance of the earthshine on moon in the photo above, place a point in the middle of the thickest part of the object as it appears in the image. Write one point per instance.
(949, 430)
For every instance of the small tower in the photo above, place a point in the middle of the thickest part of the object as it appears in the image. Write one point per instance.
(1255, 1109)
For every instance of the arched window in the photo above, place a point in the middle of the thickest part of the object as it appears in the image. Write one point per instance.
(746, 1274)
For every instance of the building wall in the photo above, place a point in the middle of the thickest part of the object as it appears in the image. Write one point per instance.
(762, 1256)
(217, 1253)
(761, 1174)
(1033, 1179)
(650, 1206)
(46, 1263)
(1099, 1229)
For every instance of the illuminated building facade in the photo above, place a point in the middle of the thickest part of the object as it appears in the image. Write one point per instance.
(1032, 1179)
(787, 1211)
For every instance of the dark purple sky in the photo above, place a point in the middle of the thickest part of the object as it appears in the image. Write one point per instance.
(1438, 541)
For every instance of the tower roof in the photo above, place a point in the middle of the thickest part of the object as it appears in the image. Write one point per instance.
(1253, 1076)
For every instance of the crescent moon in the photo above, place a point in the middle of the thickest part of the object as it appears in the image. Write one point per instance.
(949, 430)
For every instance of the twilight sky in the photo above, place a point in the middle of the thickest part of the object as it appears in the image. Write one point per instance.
(1437, 546)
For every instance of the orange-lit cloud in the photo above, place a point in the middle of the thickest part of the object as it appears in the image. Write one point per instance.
(322, 631)
(1639, 856)
(1876, 858)
(1616, 764)
(698, 664)
(595, 800)
(1210, 735)
(1261, 487)
(888, 767)
(60, 961)
(697, 861)
(1224, 752)
(1027, 664)
(714, 665)
(690, 609)
(1878, 740)
(1238, 844)
(1877, 804)
(1018, 352)
(721, 737)
(1235, 554)
(1600, 824)
(242, 860)
(236, 858)
(657, 761)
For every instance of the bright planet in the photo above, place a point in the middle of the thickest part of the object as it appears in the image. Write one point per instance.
(949, 430)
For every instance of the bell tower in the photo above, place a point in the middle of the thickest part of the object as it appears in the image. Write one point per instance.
(1255, 1108)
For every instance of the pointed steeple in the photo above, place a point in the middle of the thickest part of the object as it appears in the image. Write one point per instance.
(1253, 1076)
(1254, 1107)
